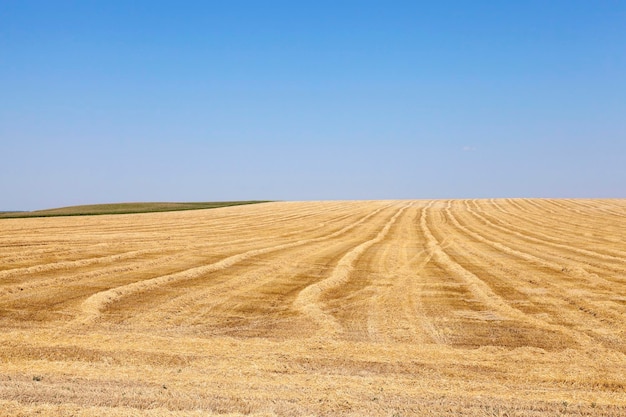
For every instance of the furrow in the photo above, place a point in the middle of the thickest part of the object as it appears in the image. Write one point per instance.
(64, 265)
(95, 304)
(532, 233)
(579, 301)
(396, 309)
(478, 287)
(69, 275)
(564, 221)
(236, 294)
(308, 300)
(606, 208)
(573, 270)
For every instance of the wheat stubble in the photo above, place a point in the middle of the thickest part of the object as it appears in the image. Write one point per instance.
(460, 307)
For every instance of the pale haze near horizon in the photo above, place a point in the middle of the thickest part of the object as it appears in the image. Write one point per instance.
(200, 101)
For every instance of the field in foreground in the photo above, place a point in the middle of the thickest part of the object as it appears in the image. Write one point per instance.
(389, 308)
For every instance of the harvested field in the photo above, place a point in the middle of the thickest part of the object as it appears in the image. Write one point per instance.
(508, 307)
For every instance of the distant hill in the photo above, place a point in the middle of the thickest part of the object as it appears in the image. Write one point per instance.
(121, 208)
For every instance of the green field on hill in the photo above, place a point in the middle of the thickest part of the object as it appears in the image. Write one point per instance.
(121, 208)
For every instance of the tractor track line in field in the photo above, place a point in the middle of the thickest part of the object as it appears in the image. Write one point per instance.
(543, 239)
(261, 273)
(308, 300)
(577, 271)
(480, 289)
(580, 303)
(95, 304)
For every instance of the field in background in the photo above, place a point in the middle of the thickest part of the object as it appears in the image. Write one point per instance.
(121, 208)
(511, 307)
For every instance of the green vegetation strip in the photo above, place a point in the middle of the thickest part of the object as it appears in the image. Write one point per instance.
(121, 208)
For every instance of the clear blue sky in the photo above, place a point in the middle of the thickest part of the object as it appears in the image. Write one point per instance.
(107, 101)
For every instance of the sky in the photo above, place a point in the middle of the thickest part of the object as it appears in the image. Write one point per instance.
(118, 101)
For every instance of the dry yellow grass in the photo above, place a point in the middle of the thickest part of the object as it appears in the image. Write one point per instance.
(389, 308)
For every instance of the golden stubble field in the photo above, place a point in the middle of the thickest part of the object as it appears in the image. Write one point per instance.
(510, 307)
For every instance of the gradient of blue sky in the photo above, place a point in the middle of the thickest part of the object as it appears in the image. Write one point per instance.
(105, 101)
